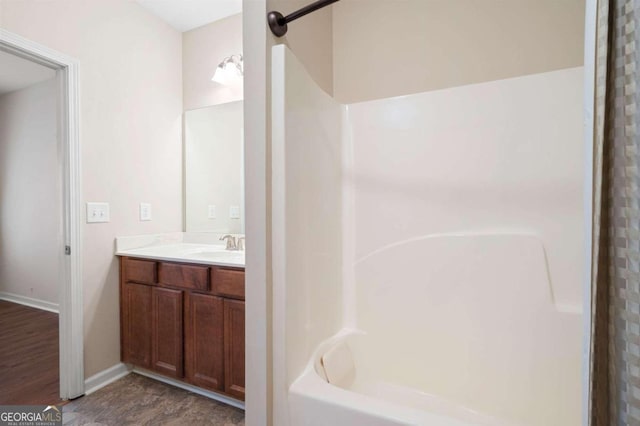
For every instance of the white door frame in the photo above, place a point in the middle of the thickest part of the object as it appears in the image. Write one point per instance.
(258, 361)
(70, 288)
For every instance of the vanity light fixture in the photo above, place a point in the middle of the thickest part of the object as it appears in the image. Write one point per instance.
(231, 69)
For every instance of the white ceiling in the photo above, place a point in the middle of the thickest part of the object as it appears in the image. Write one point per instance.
(185, 15)
(17, 73)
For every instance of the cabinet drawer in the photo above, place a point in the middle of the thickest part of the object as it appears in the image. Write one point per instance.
(228, 282)
(184, 276)
(139, 271)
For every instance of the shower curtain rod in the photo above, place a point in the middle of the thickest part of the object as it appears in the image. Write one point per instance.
(278, 23)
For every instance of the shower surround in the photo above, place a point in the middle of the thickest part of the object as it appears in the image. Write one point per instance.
(428, 253)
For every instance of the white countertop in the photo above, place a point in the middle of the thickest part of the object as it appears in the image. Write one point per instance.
(206, 254)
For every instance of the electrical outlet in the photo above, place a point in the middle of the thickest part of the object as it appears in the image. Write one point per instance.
(145, 211)
(211, 212)
(97, 212)
(234, 212)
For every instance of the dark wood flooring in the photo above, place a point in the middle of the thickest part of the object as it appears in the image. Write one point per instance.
(29, 367)
(138, 400)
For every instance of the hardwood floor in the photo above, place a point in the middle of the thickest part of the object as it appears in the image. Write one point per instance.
(138, 400)
(29, 368)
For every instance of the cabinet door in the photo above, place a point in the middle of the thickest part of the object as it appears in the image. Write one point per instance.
(166, 342)
(234, 348)
(136, 324)
(204, 352)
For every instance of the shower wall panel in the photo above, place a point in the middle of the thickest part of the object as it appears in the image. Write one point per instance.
(307, 207)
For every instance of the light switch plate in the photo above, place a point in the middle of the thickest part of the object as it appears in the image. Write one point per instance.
(212, 211)
(97, 212)
(145, 211)
(234, 212)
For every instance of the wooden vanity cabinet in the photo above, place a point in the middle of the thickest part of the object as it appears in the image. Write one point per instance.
(184, 321)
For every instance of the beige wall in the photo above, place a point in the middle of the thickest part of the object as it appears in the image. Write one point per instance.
(202, 50)
(30, 193)
(310, 38)
(131, 104)
(368, 49)
(385, 48)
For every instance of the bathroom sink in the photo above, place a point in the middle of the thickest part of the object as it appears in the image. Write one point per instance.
(223, 254)
(216, 253)
(208, 249)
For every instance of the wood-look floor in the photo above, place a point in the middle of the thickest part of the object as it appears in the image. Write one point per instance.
(138, 400)
(29, 367)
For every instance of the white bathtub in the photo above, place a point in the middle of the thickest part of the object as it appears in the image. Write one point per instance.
(474, 339)
(370, 401)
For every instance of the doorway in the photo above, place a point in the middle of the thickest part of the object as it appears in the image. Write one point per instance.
(66, 260)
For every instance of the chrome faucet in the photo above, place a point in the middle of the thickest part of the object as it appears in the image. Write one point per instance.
(231, 242)
(240, 243)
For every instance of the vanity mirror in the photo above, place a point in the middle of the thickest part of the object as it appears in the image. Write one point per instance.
(214, 169)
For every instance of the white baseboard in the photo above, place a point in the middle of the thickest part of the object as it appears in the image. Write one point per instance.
(105, 377)
(28, 301)
(190, 388)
